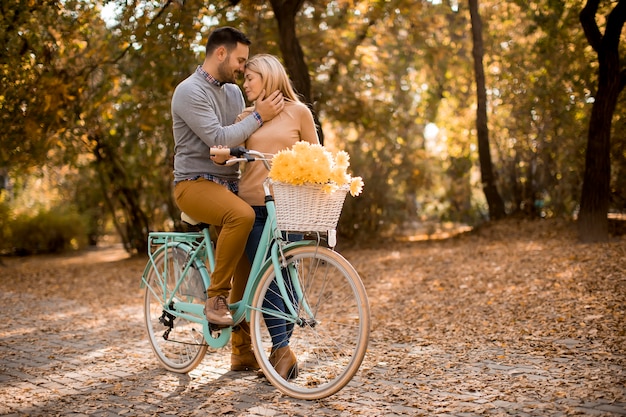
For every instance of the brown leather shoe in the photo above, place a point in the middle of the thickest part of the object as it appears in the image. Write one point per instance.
(242, 357)
(285, 362)
(217, 312)
(243, 362)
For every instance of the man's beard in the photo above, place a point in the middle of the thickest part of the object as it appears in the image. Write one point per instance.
(224, 73)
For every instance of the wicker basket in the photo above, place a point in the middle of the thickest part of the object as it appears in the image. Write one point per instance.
(307, 208)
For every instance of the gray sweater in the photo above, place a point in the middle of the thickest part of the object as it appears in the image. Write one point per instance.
(203, 115)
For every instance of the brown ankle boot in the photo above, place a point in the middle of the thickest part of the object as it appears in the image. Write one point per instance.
(217, 312)
(242, 357)
(285, 362)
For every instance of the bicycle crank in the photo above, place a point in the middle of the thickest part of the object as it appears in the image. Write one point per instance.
(216, 330)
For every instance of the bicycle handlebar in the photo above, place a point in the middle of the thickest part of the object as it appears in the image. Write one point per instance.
(237, 151)
(241, 154)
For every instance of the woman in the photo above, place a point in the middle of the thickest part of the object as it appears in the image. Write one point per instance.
(294, 123)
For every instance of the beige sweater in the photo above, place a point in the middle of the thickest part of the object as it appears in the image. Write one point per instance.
(294, 123)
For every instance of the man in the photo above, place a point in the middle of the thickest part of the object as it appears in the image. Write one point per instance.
(204, 109)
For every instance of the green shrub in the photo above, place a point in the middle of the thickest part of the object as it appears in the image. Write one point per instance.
(53, 231)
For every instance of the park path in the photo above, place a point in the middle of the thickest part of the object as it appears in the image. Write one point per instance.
(72, 344)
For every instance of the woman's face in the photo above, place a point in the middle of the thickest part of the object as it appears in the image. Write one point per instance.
(252, 85)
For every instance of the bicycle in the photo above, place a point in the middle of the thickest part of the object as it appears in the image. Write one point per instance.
(325, 301)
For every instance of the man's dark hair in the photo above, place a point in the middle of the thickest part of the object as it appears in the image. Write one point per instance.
(225, 36)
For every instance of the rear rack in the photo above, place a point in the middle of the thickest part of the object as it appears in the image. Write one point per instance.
(156, 239)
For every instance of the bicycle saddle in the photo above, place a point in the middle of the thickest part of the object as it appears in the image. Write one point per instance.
(188, 219)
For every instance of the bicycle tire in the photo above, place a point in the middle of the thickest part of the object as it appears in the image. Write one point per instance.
(330, 344)
(178, 343)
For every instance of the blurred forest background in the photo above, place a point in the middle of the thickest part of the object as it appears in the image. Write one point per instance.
(86, 145)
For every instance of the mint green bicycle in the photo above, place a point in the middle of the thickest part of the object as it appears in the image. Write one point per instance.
(326, 303)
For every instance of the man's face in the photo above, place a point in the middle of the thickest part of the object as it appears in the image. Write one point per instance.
(233, 64)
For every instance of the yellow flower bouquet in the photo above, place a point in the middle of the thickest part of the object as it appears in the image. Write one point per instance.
(310, 185)
(305, 163)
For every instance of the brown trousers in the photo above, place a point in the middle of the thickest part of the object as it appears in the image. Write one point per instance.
(214, 204)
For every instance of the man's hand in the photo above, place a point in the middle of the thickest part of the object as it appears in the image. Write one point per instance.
(268, 107)
(219, 154)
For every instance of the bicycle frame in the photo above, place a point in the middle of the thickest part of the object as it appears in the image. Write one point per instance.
(271, 244)
(200, 247)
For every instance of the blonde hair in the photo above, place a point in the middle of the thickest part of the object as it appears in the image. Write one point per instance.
(273, 75)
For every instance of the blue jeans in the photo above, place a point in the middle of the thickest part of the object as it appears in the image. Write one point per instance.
(280, 330)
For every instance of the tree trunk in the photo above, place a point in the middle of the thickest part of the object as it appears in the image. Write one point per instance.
(494, 200)
(285, 12)
(593, 223)
(121, 199)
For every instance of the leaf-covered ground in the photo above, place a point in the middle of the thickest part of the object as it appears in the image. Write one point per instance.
(513, 318)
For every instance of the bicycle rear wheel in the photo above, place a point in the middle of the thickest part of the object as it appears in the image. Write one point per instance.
(178, 343)
(330, 331)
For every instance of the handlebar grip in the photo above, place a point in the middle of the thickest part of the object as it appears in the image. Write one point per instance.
(237, 151)
(219, 151)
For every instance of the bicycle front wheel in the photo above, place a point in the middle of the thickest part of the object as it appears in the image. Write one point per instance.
(327, 326)
(178, 343)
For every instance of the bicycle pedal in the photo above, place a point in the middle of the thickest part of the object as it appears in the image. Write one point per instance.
(217, 327)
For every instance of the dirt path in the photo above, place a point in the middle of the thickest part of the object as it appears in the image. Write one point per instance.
(515, 319)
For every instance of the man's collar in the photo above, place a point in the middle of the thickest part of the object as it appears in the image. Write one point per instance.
(208, 77)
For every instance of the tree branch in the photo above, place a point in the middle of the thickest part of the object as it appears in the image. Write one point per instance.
(588, 21)
(614, 25)
(130, 44)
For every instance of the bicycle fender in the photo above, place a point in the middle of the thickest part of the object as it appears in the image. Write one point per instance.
(156, 253)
